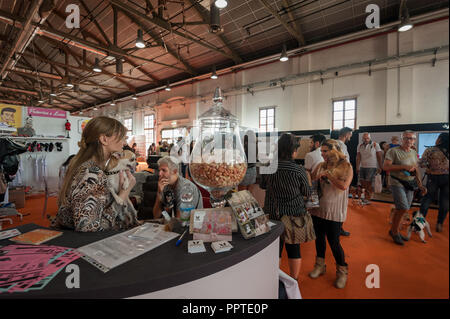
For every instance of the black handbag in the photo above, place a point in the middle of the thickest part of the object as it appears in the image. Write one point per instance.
(408, 185)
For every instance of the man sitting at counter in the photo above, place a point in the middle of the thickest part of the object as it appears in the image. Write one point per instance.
(171, 184)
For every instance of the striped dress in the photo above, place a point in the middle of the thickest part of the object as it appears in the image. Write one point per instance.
(285, 190)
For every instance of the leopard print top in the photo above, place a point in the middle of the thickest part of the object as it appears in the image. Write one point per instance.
(90, 206)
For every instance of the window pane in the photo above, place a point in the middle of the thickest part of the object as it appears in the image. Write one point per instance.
(262, 113)
(338, 116)
(338, 106)
(350, 104)
(270, 128)
(350, 124)
(270, 120)
(350, 115)
(166, 133)
(337, 125)
(270, 112)
(263, 121)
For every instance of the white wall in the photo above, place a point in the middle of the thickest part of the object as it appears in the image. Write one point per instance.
(306, 103)
(52, 128)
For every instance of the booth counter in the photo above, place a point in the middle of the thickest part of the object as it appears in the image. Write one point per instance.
(249, 270)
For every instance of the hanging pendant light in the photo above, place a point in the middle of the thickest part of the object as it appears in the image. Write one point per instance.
(284, 57)
(168, 88)
(214, 73)
(221, 4)
(140, 40)
(96, 67)
(405, 24)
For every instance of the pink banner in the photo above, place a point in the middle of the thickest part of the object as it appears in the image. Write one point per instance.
(38, 111)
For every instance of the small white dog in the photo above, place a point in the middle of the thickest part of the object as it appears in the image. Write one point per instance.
(120, 162)
(419, 223)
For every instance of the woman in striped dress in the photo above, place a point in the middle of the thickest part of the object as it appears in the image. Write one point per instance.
(335, 175)
(285, 192)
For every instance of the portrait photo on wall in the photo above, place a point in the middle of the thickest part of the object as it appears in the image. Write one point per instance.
(10, 117)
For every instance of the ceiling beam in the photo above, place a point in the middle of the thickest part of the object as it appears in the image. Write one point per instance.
(100, 49)
(93, 19)
(160, 43)
(297, 25)
(205, 15)
(166, 26)
(22, 37)
(286, 25)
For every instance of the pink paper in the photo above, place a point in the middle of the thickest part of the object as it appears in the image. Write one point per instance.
(25, 265)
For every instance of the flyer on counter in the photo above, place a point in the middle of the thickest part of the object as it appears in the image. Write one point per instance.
(113, 251)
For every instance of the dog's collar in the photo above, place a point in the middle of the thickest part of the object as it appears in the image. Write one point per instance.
(112, 173)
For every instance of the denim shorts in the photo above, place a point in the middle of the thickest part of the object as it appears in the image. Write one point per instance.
(402, 198)
(367, 174)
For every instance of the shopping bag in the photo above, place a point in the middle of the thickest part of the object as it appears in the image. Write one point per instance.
(378, 185)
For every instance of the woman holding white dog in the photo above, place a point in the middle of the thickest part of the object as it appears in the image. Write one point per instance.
(335, 175)
(85, 203)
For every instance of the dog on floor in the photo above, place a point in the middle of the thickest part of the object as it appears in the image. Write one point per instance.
(405, 221)
(120, 162)
(418, 225)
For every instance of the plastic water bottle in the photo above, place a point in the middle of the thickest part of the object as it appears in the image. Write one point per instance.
(187, 204)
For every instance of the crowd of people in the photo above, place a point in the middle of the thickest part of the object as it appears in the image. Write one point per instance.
(328, 172)
(85, 203)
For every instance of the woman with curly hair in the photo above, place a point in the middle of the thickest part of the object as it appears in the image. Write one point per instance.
(335, 175)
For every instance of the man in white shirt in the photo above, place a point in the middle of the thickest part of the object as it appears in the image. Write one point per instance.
(312, 159)
(368, 163)
(345, 134)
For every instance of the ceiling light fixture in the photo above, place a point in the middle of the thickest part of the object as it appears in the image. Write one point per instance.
(284, 57)
(140, 40)
(214, 73)
(168, 87)
(221, 4)
(95, 108)
(112, 103)
(96, 67)
(405, 24)
(41, 98)
(119, 66)
(135, 97)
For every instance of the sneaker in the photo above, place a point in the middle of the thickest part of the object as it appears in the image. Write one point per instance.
(397, 239)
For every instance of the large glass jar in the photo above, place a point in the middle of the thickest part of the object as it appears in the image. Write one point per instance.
(218, 161)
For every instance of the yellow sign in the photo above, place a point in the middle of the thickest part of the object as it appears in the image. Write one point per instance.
(10, 116)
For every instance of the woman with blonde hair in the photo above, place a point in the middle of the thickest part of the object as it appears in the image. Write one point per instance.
(85, 203)
(335, 175)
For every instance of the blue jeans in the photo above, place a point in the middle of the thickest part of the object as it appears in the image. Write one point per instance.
(402, 197)
(435, 184)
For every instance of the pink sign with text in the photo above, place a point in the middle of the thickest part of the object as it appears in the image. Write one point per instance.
(38, 111)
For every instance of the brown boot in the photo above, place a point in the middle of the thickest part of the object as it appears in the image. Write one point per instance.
(341, 276)
(319, 268)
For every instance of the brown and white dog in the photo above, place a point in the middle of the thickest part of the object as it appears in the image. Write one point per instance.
(120, 162)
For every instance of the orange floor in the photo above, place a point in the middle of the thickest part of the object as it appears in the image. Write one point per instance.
(416, 270)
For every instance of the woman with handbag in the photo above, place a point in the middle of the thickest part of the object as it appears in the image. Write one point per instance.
(335, 175)
(401, 163)
(285, 190)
